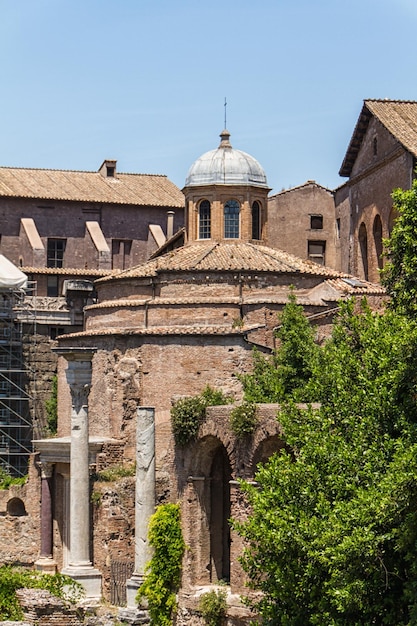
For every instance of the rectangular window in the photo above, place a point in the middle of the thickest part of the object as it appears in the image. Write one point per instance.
(120, 253)
(316, 251)
(52, 286)
(55, 252)
(231, 219)
(204, 220)
(316, 222)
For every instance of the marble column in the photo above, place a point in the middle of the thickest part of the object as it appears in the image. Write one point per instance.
(144, 498)
(46, 562)
(79, 565)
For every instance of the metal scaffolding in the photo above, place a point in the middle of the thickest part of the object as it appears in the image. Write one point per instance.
(17, 378)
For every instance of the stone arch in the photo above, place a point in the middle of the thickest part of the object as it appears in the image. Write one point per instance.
(393, 214)
(266, 448)
(207, 512)
(377, 234)
(16, 507)
(363, 252)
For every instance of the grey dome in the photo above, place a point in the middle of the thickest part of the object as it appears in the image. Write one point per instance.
(226, 166)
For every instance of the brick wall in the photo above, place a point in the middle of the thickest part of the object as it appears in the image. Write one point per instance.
(43, 609)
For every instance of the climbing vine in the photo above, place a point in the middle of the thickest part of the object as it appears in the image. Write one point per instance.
(163, 572)
(51, 407)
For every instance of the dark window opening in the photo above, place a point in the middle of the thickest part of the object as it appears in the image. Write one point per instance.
(231, 219)
(52, 286)
(375, 146)
(204, 220)
(316, 222)
(55, 252)
(363, 252)
(316, 251)
(55, 331)
(256, 220)
(110, 171)
(338, 227)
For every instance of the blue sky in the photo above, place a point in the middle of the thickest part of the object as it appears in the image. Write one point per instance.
(144, 81)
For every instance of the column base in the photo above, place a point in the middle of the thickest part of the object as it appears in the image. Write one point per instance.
(132, 586)
(134, 616)
(46, 564)
(88, 577)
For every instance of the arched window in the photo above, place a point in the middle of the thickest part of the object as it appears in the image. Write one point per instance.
(231, 219)
(204, 220)
(363, 252)
(256, 220)
(378, 240)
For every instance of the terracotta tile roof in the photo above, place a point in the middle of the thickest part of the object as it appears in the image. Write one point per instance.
(136, 189)
(113, 304)
(163, 330)
(398, 116)
(236, 257)
(67, 271)
(243, 257)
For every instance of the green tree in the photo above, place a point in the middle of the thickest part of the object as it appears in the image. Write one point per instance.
(286, 373)
(400, 272)
(331, 539)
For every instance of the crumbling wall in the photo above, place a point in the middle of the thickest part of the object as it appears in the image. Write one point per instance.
(43, 609)
(20, 520)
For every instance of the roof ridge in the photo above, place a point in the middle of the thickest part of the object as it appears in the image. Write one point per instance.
(71, 171)
(389, 101)
(300, 186)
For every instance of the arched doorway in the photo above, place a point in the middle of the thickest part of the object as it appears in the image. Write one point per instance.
(220, 476)
(207, 511)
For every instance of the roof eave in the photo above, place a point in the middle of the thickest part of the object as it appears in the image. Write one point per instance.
(356, 141)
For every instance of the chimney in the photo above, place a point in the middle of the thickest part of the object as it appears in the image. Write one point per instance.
(170, 224)
(108, 168)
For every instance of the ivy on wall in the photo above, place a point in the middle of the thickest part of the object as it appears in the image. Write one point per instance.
(163, 572)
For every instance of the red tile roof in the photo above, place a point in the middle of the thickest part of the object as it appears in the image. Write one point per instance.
(238, 257)
(398, 116)
(133, 189)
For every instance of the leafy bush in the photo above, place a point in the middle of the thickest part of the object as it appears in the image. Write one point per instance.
(163, 572)
(7, 481)
(213, 607)
(13, 578)
(114, 473)
(243, 419)
(188, 413)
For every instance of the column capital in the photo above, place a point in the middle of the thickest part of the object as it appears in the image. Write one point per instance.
(46, 468)
(74, 353)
